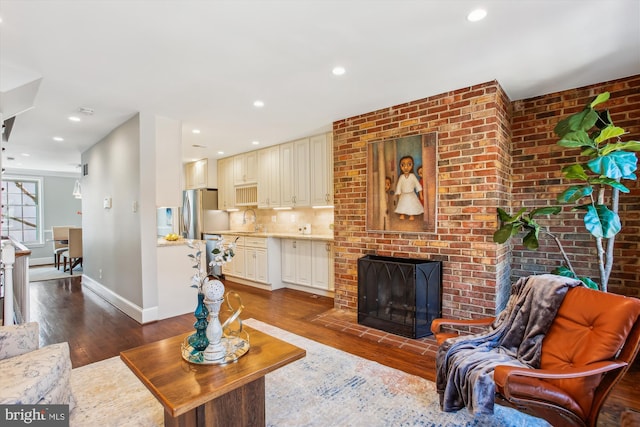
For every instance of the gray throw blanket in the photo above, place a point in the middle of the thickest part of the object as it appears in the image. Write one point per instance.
(465, 365)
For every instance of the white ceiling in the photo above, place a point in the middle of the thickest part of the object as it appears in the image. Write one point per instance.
(205, 62)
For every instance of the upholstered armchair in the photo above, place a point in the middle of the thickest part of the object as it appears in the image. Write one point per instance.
(589, 346)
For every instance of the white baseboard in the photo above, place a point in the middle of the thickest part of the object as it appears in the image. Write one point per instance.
(127, 307)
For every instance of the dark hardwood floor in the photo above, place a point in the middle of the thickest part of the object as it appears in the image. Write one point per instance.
(95, 330)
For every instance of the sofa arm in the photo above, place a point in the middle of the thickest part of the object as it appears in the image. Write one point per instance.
(39, 377)
(503, 373)
(18, 339)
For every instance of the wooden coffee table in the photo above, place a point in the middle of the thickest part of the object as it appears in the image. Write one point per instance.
(207, 395)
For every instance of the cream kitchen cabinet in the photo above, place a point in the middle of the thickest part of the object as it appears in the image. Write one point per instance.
(296, 261)
(269, 177)
(254, 263)
(322, 265)
(295, 174)
(245, 168)
(226, 189)
(196, 174)
(321, 169)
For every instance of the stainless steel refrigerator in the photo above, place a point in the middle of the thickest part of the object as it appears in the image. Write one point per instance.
(200, 213)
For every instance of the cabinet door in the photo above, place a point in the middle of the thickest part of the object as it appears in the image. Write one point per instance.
(287, 175)
(303, 262)
(321, 170)
(261, 265)
(269, 177)
(189, 175)
(238, 263)
(200, 172)
(288, 259)
(245, 168)
(226, 189)
(250, 263)
(302, 173)
(321, 258)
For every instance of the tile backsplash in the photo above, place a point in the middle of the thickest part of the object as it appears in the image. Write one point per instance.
(283, 221)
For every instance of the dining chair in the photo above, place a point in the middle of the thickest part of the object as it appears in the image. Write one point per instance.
(74, 252)
(60, 243)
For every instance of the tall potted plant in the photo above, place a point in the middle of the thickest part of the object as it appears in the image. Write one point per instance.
(595, 183)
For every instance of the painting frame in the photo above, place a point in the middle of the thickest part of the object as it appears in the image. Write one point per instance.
(402, 183)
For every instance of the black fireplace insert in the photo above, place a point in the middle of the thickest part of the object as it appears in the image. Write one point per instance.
(399, 295)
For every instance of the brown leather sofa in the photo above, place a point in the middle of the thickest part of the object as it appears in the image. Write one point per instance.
(593, 339)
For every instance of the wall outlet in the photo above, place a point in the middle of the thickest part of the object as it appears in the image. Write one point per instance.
(100, 274)
(293, 219)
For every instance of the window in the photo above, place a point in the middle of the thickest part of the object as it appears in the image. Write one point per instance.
(21, 209)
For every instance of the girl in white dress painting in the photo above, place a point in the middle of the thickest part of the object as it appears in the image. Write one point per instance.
(408, 185)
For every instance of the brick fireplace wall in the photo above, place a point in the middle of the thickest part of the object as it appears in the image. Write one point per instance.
(491, 153)
(473, 126)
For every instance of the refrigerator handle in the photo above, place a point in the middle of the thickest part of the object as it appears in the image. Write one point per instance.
(186, 215)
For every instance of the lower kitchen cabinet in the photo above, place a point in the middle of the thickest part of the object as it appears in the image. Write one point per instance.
(307, 265)
(256, 261)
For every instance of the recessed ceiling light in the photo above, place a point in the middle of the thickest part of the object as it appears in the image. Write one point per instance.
(74, 118)
(58, 138)
(220, 152)
(338, 71)
(196, 131)
(258, 103)
(26, 154)
(255, 142)
(476, 15)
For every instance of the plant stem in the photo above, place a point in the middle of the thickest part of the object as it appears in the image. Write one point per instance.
(564, 254)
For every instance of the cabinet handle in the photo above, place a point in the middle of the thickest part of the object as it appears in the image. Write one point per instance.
(294, 244)
(328, 248)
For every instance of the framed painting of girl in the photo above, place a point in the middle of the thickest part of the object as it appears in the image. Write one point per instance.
(402, 183)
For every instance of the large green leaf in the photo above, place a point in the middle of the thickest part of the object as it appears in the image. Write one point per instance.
(619, 164)
(547, 210)
(574, 193)
(530, 241)
(563, 271)
(609, 132)
(600, 221)
(576, 139)
(589, 283)
(575, 172)
(610, 182)
(506, 218)
(603, 97)
(620, 146)
(583, 120)
(504, 233)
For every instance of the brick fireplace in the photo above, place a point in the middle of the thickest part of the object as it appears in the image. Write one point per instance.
(475, 161)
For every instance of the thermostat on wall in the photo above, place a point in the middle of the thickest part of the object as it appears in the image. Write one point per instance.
(106, 203)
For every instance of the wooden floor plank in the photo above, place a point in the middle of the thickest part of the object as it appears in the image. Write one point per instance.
(96, 330)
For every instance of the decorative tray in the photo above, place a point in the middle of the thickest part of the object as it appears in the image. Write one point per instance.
(236, 348)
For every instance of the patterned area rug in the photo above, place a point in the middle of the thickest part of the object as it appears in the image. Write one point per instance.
(326, 388)
(332, 388)
(39, 274)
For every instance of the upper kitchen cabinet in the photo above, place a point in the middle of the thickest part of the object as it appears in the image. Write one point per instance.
(295, 173)
(245, 168)
(321, 169)
(226, 190)
(269, 177)
(200, 174)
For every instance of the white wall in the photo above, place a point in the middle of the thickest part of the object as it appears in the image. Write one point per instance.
(111, 237)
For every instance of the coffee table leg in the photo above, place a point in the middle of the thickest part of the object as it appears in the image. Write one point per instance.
(242, 407)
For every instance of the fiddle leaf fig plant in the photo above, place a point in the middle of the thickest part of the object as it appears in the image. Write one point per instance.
(594, 189)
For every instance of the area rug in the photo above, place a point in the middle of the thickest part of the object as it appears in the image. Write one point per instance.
(327, 388)
(39, 274)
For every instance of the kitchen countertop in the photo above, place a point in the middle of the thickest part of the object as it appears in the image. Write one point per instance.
(298, 236)
(179, 242)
